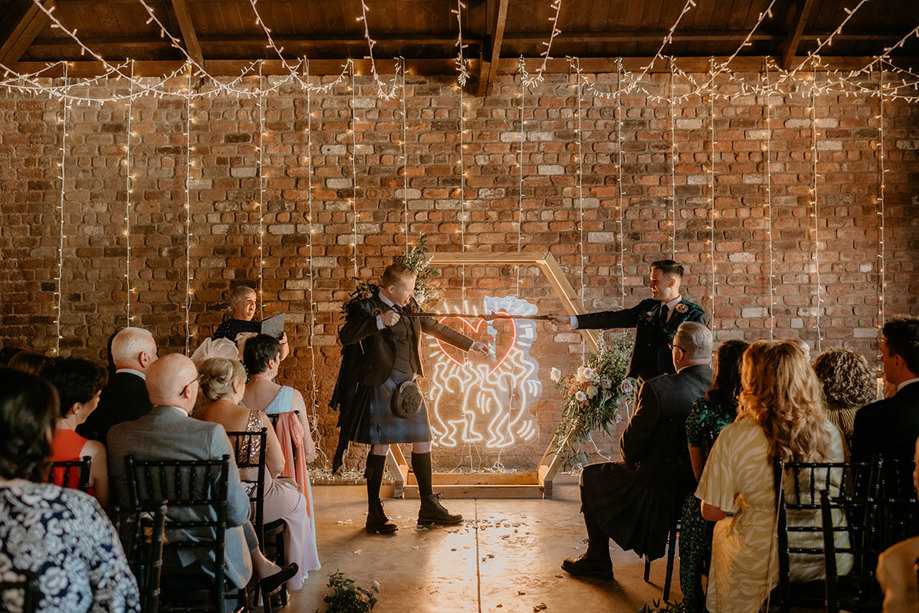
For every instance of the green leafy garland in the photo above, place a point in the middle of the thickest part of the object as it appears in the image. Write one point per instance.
(418, 261)
(593, 396)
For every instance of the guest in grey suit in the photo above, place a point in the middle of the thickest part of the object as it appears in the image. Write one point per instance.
(167, 432)
(636, 501)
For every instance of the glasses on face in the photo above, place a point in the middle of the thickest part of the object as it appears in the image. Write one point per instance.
(675, 346)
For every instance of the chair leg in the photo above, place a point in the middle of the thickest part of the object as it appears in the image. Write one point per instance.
(647, 569)
(671, 549)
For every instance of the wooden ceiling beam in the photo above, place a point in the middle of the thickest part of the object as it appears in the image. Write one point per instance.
(443, 67)
(790, 45)
(189, 36)
(489, 68)
(24, 32)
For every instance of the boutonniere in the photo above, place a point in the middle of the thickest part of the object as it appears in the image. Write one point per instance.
(649, 317)
(681, 308)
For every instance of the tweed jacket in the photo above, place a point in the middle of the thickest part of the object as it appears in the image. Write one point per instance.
(650, 355)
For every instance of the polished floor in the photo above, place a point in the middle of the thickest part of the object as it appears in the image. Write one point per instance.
(504, 558)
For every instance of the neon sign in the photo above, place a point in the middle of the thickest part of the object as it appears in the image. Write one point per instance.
(475, 400)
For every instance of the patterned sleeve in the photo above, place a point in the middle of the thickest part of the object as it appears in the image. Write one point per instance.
(694, 431)
(113, 585)
(718, 483)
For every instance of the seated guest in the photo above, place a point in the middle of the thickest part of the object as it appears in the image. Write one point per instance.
(889, 427)
(635, 502)
(781, 415)
(79, 383)
(7, 353)
(262, 358)
(60, 535)
(168, 433)
(223, 382)
(240, 316)
(896, 569)
(28, 361)
(848, 384)
(125, 397)
(708, 416)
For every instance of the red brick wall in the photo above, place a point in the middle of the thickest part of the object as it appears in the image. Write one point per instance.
(224, 225)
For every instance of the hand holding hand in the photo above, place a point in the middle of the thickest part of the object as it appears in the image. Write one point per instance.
(561, 319)
(389, 318)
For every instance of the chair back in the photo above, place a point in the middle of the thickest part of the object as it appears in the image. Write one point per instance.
(197, 515)
(30, 592)
(249, 449)
(73, 475)
(799, 523)
(901, 506)
(142, 531)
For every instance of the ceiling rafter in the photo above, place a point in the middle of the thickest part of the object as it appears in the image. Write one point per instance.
(189, 36)
(790, 45)
(24, 33)
(489, 69)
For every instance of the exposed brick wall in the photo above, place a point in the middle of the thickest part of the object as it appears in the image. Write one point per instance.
(225, 217)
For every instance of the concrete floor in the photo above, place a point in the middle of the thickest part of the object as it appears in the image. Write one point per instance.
(504, 558)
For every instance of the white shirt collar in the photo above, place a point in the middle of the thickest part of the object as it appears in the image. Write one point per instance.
(386, 300)
(133, 372)
(907, 382)
(670, 306)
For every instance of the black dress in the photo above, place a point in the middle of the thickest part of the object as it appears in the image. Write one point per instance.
(231, 327)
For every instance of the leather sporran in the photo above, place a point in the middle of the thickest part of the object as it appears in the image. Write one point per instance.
(406, 400)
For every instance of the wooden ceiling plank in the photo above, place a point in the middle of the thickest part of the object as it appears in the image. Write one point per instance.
(24, 32)
(489, 68)
(790, 46)
(192, 45)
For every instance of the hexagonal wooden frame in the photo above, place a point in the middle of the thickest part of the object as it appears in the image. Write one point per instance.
(536, 484)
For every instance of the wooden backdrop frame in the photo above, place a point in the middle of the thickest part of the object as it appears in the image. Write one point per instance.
(537, 484)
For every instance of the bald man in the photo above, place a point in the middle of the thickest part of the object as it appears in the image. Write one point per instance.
(168, 432)
(125, 397)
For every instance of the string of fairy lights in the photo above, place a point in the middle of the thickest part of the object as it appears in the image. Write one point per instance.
(672, 156)
(404, 145)
(881, 203)
(521, 139)
(815, 219)
(128, 191)
(353, 199)
(59, 290)
(620, 202)
(188, 165)
(767, 135)
(580, 160)
(711, 197)
(260, 173)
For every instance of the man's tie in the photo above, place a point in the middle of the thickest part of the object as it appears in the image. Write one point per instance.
(663, 314)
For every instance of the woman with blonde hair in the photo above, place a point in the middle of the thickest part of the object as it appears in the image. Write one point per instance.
(782, 415)
(223, 382)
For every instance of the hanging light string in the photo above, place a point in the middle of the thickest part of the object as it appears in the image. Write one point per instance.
(767, 133)
(881, 203)
(188, 165)
(673, 153)
(537, 77)
(814, 197)
(60, 213)
(128, 191)
(522, 96)
(580, 159)
(294, 70)
(461, 68)
(314, 392)
(386, 91)
(634, 81)
(711, 192)
(404, 143)
(462, 184)
(353, 174)
(261, 197)
(619, 198)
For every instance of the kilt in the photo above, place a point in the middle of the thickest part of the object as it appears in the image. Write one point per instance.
(634, 515)
(379, 426)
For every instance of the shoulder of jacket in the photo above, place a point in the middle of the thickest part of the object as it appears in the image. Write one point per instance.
(692, 306)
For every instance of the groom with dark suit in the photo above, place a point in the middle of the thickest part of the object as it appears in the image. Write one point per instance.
(635, 502)
(655, 320)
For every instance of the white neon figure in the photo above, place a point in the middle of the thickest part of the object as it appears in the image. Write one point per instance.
(486, 402)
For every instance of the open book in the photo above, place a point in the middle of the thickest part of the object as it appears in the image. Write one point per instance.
(274, 326)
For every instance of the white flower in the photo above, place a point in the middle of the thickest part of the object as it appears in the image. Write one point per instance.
(581, 375)
(555, 374)
(591, 391)
(626, 386)
(580, 396)
(590, 373)
(606, 383)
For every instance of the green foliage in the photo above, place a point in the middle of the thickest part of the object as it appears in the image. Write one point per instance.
(418, 261)
(347, 597)
(658, 607)
(594, 395)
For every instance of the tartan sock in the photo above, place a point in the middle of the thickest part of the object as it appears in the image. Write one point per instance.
(376, 465)
(424, 474)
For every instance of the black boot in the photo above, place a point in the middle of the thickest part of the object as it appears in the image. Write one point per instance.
(595, 562)
(377, 522)
(432, 512)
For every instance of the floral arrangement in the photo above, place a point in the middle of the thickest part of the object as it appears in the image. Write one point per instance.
(418, 261)
(595, 395)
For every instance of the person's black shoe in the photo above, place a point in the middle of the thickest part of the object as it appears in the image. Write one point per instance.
(432, 512)
(273, 582)
(377, 522)
(589, 566)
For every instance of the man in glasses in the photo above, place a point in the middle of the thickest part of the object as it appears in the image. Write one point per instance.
(635, 502)
(655, 320)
